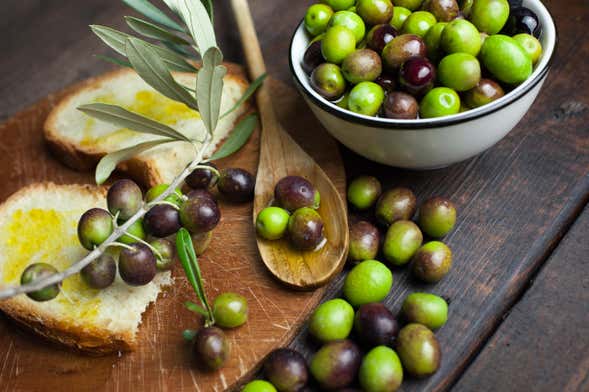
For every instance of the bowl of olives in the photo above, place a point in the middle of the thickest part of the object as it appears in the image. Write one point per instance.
(422, 84)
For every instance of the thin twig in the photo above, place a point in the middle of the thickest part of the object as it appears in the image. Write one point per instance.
(116, 234)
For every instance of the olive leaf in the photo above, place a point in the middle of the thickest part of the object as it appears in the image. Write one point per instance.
(238, 137)
(195, 308)
(117, 41)
(154, 72)
(152, 12)
(209, 7)
(209, 87)
(181, 50)
(113, 60)
(154, 31)
(109, 162)
(197, 19)
(123, 118)
(247, 93)
(189, 261)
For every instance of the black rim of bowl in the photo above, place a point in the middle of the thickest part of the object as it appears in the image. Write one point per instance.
(435, 123)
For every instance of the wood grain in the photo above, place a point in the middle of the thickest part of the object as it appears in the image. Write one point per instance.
(281, 156)
(163, 360)
(543, 340)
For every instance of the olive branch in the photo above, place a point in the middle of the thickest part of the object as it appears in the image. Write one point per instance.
(177, 45)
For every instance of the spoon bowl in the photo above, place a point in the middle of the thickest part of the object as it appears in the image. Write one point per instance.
(281, 156)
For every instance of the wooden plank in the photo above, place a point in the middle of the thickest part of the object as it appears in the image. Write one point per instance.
(542, 344)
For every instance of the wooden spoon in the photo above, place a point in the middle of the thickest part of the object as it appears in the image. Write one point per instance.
(280, 156)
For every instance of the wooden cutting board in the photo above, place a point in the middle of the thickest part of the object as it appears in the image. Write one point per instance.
(163, 361)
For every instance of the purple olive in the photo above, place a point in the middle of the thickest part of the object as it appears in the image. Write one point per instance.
(387, 82)
(336, 364)
(125, 198)
(202, 178)
(312, 57)
(162, 220)
(375, 325)
(137, 266)
(417, 76)
(401, 49)
(305, 228)
(236, 185)
(294, 192)
(199, 213)
(100, 273)
(379, 36)
(364, 241)
(211, 348)
(401, 106)
(287, 370)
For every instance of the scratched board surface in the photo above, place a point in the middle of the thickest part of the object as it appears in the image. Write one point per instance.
(163, 360)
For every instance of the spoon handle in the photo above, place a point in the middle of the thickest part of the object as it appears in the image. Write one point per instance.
(255, 62)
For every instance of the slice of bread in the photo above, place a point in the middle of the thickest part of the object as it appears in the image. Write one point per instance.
(80, 141)
(39, 224)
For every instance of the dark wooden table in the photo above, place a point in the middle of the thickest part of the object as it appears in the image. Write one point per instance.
(519, 289)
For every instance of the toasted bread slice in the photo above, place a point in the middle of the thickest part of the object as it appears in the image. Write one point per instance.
(39, 224)
(80, 141)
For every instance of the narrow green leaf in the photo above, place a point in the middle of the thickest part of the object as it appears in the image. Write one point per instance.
(197, 19)
(152, 12)
(181, 249)
(209, 87)
(114, 60)
(154, 31)
(109, 162)
(248, 93)
(184, 240)
(154, 72)
(196, 308)
(123, 118)
(209, 6)
(238, 137)
(189, 334)
(181, 50)
(117, 41)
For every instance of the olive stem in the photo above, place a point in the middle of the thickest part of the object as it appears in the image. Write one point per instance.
(151, 204)
(120, 244)
(115, 235)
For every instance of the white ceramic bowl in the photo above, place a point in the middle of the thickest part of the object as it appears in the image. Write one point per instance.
(427, 143)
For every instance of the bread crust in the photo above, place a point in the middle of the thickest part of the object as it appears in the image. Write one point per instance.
(94, 341)
(83, 158)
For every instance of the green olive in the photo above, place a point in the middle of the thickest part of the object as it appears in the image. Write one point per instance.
(439, 102)
(400, 15)
(339, 5)
(364, 241)
(94, 227)
(165, 255)
(363, 192)
(332, 320)
(459, 71)
(409, 4)
(432, 262)
(461, 36)
(489, 16)
(317, 18)
(154, 192)
(328, 80)
(419, 23)
(381, 370)
(272, 223)
(437, 217)
(402, 240)
(366, 98)
(419, 350)
(375, 11)
(230, 310)
(506, 59)
(432, 40)
(343, 101)
(259, 386)
(465, 7)
(136, 230)
(338, 43)
(350, 20)
(426, 309)
(531, 45)
(369, 281)
(39, 271)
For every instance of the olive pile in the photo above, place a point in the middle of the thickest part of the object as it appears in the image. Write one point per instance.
(294, 213)
(418, 58)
